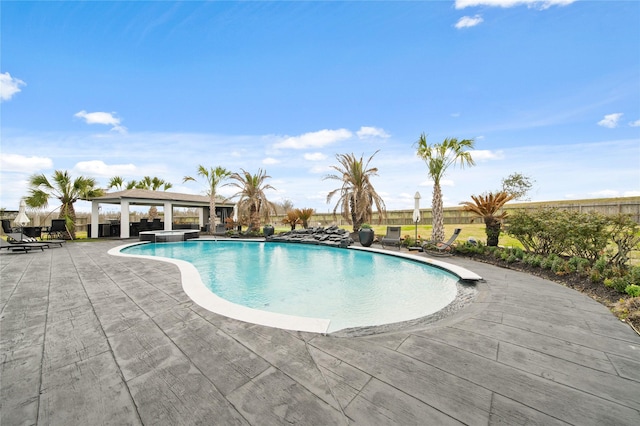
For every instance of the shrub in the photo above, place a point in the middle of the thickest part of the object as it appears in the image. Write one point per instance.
(518, 253)
(579, 265)
(534, 260)
(624, 233)
(633, 290)
(547, 262)
(559, 266)
(617, 283)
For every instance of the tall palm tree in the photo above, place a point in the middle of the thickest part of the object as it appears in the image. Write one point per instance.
(487, 207)
(65, 189)
(213, 177)
(251, 190)
(356, 195)
(438, 158)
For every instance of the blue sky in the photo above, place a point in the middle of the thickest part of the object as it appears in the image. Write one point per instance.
(549, 89)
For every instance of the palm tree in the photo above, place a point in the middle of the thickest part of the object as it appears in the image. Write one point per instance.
(356, 195)
(153, 184)
(304, 215)
(438, 158)
(213, 177)
(66, 190)
(291, 219)
(487, 207)
(251, 190)
(147, 183)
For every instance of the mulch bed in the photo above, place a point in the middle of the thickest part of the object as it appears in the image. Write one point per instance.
(622, 305)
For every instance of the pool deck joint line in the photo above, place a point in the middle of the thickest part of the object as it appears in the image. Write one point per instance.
(90, 338)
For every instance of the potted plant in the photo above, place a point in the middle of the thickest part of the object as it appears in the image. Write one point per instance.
(267, 230)
(366, 235)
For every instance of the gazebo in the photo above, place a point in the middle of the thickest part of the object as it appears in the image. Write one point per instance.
(143, 197)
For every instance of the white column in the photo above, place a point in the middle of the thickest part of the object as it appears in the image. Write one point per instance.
(201, 217)
(124, 219)
(95, 219)
(168, 216)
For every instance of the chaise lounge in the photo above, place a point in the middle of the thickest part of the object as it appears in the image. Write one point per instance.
(22, 246)
(392, 238)
(442, 249)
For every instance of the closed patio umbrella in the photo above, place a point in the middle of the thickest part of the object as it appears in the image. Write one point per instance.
(22, 219)
(416, 212)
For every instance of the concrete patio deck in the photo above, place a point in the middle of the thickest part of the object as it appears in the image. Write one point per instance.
(88, 338)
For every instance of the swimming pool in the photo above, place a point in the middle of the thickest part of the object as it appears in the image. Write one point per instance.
(304, 287)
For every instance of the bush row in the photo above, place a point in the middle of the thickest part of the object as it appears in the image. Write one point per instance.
(591, 236)
(622, 279)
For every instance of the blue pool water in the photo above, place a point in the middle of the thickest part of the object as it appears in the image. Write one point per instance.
(351, 288)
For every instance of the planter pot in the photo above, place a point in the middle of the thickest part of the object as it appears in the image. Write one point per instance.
(267, 231)
(366, 237)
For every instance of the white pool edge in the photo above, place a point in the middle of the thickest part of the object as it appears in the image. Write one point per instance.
(460, 272)
(196, 290)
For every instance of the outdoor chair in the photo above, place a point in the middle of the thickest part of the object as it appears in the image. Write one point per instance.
(6, 226)
(443, 249)
(58, 229)
(392, 238)
(16, 246)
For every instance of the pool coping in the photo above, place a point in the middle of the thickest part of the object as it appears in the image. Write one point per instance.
(196, 290)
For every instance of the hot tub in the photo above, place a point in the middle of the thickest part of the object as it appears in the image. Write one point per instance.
(169, 236)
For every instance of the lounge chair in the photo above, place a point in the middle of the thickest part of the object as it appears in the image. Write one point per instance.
(21, 246)
(392, 238)
(441, 248)
(20, 238)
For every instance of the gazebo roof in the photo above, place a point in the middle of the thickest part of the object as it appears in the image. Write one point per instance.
(153, 198)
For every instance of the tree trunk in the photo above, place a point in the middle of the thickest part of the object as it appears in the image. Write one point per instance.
(493, 228)
(354, 217)
(437, 233)
(68, 211)
(212, 213)
(254, 218)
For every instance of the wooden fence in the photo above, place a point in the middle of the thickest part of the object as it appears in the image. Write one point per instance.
(456, 216)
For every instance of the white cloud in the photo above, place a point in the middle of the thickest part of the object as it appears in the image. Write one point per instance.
(635, 123)
(9, 86)
(270, 160)
(610, 120)
(486, 155)
(469, 21)
(320, 169)
(540, 4)
(317, 139)
(23, 164)
(99, 168)
(368, 132)
(106, 118)
(316, 156)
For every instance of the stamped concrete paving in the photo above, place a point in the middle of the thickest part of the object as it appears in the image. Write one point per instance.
(88, 338)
